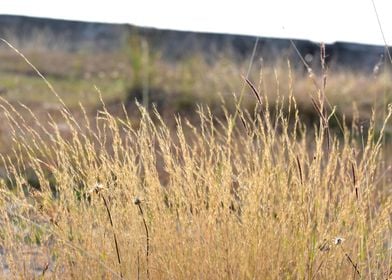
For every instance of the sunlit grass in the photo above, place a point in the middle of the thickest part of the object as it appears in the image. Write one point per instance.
(251, 193)
(222, 201)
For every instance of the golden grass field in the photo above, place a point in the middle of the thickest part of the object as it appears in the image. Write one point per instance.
(282, 175)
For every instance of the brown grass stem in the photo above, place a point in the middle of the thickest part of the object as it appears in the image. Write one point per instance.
(138, 203)
(355, 266)
(114, 232)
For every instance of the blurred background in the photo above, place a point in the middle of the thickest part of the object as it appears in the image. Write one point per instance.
(176, 55)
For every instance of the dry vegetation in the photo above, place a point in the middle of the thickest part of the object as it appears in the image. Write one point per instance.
(252, 193)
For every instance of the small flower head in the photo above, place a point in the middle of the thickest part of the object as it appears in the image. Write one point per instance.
(338, 240)
(136, 201)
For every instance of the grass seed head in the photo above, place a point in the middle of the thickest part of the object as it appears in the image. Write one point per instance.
(137, 201)
(338, 240)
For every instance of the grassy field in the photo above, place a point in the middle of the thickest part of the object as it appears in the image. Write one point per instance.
(277, 176)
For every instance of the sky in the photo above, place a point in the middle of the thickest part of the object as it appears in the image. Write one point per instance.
(320, 21)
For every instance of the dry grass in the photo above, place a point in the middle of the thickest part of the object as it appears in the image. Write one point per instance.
(245, 196)
(219, 202)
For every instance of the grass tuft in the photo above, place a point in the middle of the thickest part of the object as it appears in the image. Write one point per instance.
(262, 196)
